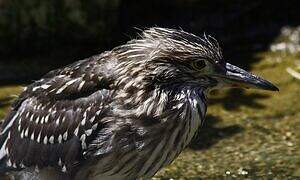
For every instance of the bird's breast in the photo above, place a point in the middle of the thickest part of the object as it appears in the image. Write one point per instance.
(157, 143)
(185, 122)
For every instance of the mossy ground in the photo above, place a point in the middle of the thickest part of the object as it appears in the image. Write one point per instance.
(247, 134)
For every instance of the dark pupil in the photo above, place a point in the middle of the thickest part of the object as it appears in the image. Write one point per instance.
(200, 64)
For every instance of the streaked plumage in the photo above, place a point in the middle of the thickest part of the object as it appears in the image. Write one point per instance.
(123, 114)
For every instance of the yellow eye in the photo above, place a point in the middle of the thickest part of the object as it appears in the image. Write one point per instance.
(199, 64)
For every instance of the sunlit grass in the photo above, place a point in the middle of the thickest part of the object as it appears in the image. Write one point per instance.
(7, 95)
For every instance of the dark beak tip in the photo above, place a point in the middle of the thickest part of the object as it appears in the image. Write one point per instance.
(269, 86)
(274, 88)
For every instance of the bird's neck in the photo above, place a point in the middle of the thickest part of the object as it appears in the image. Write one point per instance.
(192, 112)
(183, 101)
(187, 101)
(191, 102)
(180, 113)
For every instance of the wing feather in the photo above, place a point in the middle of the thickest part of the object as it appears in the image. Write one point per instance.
(54, 118)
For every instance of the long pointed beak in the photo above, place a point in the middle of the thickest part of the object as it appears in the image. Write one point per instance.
(237, 77)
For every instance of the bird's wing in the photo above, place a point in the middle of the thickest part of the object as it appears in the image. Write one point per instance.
(52, 120)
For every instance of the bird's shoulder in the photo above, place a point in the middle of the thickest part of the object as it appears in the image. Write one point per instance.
(76, 80)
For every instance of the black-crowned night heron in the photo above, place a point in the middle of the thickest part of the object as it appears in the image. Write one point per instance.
(123, 114)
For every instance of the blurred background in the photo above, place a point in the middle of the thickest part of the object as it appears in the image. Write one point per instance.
(247, 134)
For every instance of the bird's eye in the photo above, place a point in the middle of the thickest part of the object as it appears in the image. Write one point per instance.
(199, 64)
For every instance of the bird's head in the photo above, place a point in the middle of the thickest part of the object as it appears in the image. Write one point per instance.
(171, 57)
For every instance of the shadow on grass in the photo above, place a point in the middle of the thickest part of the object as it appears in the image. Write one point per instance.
(210, 134)
(235, 98)
(5, 101)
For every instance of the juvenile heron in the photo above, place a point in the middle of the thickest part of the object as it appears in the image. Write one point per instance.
(123, 114)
